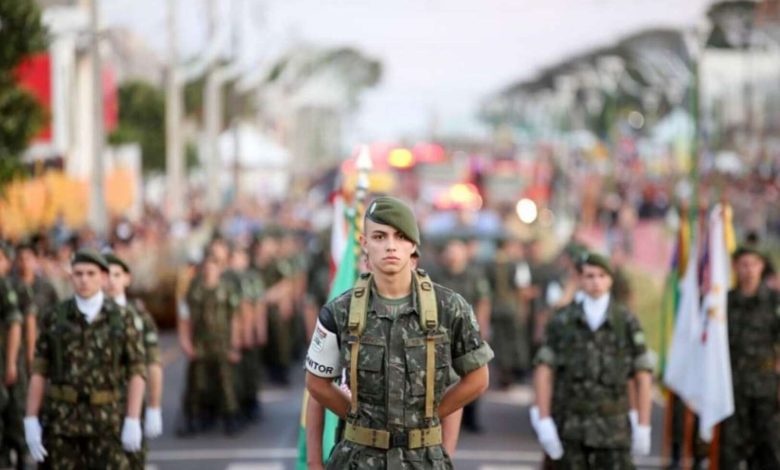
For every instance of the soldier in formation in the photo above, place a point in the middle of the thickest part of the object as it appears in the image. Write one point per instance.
(592, 349)
(119, 279)
(751, 436)
(397, 334)
(88, 356)
(14, 377)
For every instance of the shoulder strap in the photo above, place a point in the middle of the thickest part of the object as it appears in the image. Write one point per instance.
(59, 318)
(358, 306)
(429, 318)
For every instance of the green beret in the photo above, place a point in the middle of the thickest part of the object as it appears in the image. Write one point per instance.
(748, 250)
(595, 259)
(114, 259)
(88, 255)
(391, 211)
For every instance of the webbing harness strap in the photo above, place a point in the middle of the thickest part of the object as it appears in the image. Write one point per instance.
(429, 321)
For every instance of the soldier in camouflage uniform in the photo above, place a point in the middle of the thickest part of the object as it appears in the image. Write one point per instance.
(751, 435)
(509, 278)
(463, 277)
(276, 274)
(213, 349)
(87, 353)
(14, 376)
(119, 280)
(397, 334)
(592, 348)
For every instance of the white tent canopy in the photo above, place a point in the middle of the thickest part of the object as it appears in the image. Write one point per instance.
(255, 149)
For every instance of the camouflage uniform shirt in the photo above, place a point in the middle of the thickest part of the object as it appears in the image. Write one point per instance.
(391, 371)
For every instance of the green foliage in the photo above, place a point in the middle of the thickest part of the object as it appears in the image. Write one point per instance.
(142, 120)
(21, 34)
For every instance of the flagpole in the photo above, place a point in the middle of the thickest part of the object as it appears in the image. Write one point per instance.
(364, 166)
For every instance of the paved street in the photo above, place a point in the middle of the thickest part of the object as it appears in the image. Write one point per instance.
(506, 444)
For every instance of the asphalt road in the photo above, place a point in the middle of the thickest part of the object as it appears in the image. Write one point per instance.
(507, 442)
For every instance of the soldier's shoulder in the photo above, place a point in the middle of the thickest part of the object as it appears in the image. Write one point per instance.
(340, 303)
(447, 297)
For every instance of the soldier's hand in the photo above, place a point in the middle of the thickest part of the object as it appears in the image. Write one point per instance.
(153, 425)
(33, 435)
(11, 375)
(548, 434)
(640, 441)
(131, 435)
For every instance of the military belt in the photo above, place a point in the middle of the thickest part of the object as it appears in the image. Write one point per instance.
(381, 439)
(601, 408)
(71, 395)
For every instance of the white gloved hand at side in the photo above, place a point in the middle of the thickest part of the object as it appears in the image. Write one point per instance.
(33, 435)
(633, 417)
(640, 441)
(131, 434)
(153, 425)
(548, 434)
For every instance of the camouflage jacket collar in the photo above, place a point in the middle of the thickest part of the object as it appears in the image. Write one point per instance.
(74, 315)
(611, 319)
(763, 294)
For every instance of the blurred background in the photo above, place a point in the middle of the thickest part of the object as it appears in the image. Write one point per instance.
(152, 125)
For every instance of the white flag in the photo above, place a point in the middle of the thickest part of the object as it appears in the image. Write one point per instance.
(682, 371)
(716, 400)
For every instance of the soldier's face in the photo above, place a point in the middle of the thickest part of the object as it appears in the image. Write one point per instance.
(27, 261)
(456, 254)
(88, 279)
(388, 250)
(595, 281)
(118, 280)
(749, 268)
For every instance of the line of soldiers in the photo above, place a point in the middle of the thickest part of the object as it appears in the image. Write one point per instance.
(240, 320)
(74, 369)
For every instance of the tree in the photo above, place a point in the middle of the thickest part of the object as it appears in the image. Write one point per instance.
(21, 34)
(142, 120)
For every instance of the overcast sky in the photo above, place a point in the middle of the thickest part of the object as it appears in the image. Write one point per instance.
(440, 57)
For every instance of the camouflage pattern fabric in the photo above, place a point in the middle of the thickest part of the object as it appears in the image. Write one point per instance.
(84, 453)
(210, 376)
(509, 337)
(12, 399)
(590, 402)
(278, 350)
(752, 433)
(391, 373)
(88, 357)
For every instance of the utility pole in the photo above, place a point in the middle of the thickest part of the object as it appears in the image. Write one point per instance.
(98, 216)
(212, 110)
(174, 155)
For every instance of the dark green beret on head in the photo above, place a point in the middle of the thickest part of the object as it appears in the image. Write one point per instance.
(394, 212)
(595, 259)
(748, 250)
(88, 255)
(114, 259)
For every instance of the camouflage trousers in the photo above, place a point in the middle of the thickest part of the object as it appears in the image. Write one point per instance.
(137, 460)
(580, 457)
(509, 342)
(751, 435)
(84, 453)
(248, 376)
(210, 388)
(12, 417)
(279, 346)
(357, 457)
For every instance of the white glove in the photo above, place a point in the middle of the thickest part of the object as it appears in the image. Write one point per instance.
(633, 417)
(33, 435)
(640, 441)
(131, 435)
(548, 434)
(153, 425)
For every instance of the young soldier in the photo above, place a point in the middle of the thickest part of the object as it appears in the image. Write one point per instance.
(14, 376)
(397, 334)
(752, 434)
(119, 279)
(592, 348)
(86, 353)
(209, 338)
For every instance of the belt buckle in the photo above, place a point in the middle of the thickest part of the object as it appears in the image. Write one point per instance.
(399, 439)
